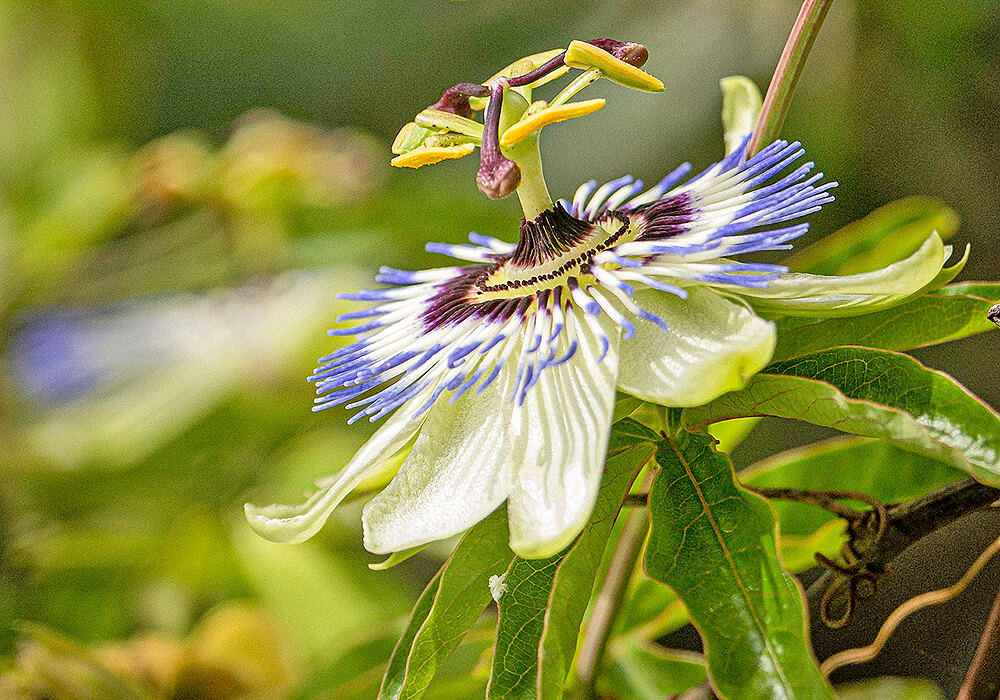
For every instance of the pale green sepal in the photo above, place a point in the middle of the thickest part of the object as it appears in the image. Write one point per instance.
(741, 103)
(297, 523)
(713, 345)
(625, 405)
(377, 479)
(800, 294)
(396, 558)
(947, 274)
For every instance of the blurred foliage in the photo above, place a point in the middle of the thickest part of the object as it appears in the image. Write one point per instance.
(170, 245)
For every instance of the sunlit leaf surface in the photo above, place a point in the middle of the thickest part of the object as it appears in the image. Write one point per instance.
(873, 393)
(877, 468)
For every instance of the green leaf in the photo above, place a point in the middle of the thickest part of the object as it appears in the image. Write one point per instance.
(645, 601)
(877, 468)
(624, 406)
(448, 607)
(983, 290)
(732, 433)
(629, 432)
(714, 544)
(888, 234)
(928, 320)
(543, 600)
(395, 673)
(640, 670)
(652, 611)
(798, 552)
(872, 393)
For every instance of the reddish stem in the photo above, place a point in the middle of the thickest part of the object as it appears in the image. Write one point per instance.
(786, 74)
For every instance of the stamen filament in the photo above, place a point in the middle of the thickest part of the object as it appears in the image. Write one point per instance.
(578, 83)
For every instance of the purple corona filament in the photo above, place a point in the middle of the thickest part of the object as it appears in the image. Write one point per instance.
(574, 269)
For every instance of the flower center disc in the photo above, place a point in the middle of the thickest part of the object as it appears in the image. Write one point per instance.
(551, 249)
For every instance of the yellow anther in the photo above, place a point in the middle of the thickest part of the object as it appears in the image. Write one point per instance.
(426, 155)
(550, 115)
(409, 137)
(434, 118)
(583, 55)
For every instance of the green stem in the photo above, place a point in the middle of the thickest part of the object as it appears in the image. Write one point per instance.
(578, 83)
(786, 75)
(611, 596)
(532, 191)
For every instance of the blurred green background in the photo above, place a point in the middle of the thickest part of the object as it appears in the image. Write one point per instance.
(185, 185)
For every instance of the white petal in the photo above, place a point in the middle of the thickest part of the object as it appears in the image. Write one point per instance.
(800, 294)
(281, 523)
(460, 470)
(566, 419)
(712, 346)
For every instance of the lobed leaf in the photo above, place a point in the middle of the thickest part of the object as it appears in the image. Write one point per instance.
(652, 611)
(714, 544)
(873, 393)
(544, 600)
(927, 320)
(888, 234)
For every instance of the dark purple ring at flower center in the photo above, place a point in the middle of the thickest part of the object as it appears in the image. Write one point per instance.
(553, 251)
